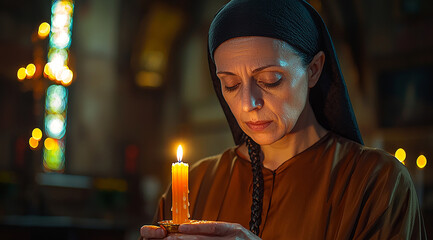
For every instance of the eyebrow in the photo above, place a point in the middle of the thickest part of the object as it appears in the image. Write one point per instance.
(254, 71)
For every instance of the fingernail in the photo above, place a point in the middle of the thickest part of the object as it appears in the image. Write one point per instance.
(161, 232)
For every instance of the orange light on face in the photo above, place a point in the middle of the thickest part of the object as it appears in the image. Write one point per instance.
(30, 70)
(421, 161)
(44, 30)
(21, 74)
(33, 143)
(37, 134)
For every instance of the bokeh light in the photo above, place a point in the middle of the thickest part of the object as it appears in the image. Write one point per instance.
(66, 76)
(21, 74)
(421, 161)
(57, 96)
(50, 144)
(58, 56)
(56, 100)
(37, 134)
(400, 154)
(55, 126)
(44, 30)
(54, 159)
(30, 70)
(33, 143)
(60, 20)
(62, 7)
(60, 39)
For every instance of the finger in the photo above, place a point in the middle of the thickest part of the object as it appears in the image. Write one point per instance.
(209, 228)
(150, 231)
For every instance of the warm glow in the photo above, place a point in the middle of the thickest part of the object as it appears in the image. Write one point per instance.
(179, 153)
(21, 74)
(50, 144)
(49, 71)
(66, 76)
(148, 79)
(37, 134)
(44, 30)
(33, 143)
(421, 161)
(400, 154)
(30, 70)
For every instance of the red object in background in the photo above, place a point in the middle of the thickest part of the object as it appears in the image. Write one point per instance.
(131, 157)
(20, 151)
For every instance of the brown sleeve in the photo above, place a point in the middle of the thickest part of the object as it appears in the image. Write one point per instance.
(390, 207)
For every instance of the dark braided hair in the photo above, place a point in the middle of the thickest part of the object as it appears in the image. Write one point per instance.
(258, 185)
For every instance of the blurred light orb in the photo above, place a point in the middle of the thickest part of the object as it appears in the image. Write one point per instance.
(33, 143)
(421, 161)
(62, 7)
(55, 125)
(55, 104)
(60, 20)
(30, 70)
(44, 30)
(50, 144)
(58, 56)
(54, 159)
(21, 74)
(37, 134)
(54, 69)
(66, 76)
(57, 90)
(60, 40)
(400, 154)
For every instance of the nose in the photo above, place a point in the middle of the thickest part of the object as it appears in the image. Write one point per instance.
(251, 98)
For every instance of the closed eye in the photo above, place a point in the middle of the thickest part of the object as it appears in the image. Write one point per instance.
(269, 79)
(272, 85)
(231, 88)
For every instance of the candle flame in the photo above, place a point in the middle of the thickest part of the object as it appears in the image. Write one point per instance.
(179, 153)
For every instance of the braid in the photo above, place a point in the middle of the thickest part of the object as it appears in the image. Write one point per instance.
(257, 203)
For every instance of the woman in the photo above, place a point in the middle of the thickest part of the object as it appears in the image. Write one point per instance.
(299, 170)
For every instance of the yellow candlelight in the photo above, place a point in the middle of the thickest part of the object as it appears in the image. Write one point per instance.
(179, 171)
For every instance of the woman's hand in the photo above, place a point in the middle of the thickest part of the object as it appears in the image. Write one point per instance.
(199, 230)
(212, 230)
(151, 232)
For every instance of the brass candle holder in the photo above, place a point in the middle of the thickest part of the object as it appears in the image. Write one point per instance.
(171, 227)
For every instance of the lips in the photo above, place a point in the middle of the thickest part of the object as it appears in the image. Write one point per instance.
(258, 125)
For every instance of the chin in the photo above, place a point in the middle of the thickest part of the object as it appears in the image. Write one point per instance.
(263, 138)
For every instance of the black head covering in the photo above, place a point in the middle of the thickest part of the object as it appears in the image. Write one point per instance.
(298, 24)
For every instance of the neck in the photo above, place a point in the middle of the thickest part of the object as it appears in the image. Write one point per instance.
(306, 132)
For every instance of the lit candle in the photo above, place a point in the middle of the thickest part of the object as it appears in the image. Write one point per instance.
(179, 184)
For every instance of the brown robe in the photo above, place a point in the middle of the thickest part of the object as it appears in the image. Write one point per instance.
(335, 189)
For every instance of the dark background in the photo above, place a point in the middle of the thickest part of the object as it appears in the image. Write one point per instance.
(141, 86)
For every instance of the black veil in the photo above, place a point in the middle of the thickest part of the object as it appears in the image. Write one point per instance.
(297, 23)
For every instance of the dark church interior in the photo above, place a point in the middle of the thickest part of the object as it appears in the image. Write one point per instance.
(86, 149)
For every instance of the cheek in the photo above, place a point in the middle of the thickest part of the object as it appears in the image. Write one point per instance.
(231, 102)
(293, 104)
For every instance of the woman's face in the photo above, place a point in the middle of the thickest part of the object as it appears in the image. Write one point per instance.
(265, 84)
